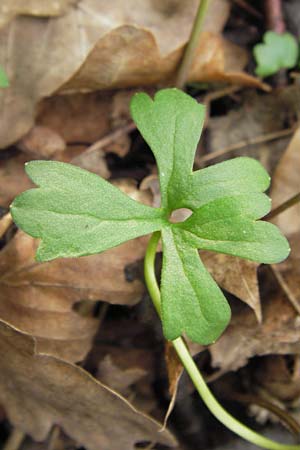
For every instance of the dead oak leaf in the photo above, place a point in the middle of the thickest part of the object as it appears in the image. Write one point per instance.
(130, 45)
(103, 45)
(43, 143)
(237, 276)
(78, 117)
(39, 391)
(275, 376)
(9, 9)
(39, 298)
(256, 116)
(279, 333)
(288, 272)
(116, 377)
(174, 371)
(13, 178)
(285, 184)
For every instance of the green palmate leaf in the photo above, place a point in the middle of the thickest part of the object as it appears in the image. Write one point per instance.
(278, 51)
(233, 177)
(226, 200)
(192, 303)
(171, 124)
(77, 213)
(228, 225)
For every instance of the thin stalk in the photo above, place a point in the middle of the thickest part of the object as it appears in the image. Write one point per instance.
(15, 440)
(284, 206)
(187, 360)
(149, 270)
(192, 45)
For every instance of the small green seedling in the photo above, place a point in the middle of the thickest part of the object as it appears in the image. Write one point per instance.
(77, 213)
(3, 79)
(277, 51)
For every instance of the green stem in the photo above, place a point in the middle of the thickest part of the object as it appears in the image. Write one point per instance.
(186, 358)
(192, 45)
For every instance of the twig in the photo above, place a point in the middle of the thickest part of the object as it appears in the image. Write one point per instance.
(242, 144)
(286, 418)
(215, 95)
(150, 446)
(220, 93)
(275, 22)
(5, 223)
(55, 433)
(15, 440)
(109, 138)
(102, 314)
(295, 75)
(285, 205)
(290, 293)
(274, 16)
(192, 45)
(245, 5)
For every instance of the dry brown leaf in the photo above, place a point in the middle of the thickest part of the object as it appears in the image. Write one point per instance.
(123, 366)
(288, 272)
(130, 45)
(174, 370)
(86, 118)
(56, 441)
(274, 375)
(151, 184)
(244, 338)
(42, 142)
(148, 39)
(117, 378)
(77, 118)
(5, 223)
(13, 178)
(237, 276)
(129, 186)
(39, 298)
(120, 116)
(174, 367)
(256, 116)
(219, 60)
(39, 391)
(286, 184)
(9, 9)
(100, 44)
(93, 161)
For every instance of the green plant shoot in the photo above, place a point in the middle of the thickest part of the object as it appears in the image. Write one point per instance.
(77, 213)
(3, 79)
(277, 51)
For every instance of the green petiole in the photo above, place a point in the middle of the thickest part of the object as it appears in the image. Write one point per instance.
(186, 358)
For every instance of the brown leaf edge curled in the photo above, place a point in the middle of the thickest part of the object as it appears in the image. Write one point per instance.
(39, 391)
(285, 185)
